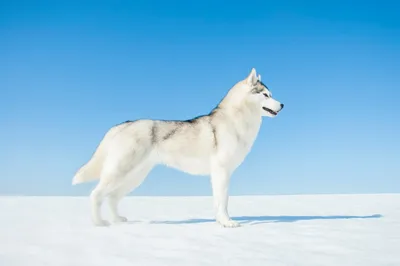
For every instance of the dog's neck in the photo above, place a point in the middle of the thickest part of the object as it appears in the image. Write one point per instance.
(244, 116)
(234, 104)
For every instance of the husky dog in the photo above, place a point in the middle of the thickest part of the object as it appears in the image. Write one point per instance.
(214, 144)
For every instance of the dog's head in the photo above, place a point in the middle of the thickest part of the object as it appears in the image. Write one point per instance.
(259, 94)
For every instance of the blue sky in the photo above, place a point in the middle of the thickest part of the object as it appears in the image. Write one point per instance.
(70, 70)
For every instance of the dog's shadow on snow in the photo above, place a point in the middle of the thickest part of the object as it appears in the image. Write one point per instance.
(270, 219)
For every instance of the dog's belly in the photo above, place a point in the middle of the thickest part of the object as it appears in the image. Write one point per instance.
(194, 166)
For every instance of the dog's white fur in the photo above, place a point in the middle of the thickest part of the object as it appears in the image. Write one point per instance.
(214, 144)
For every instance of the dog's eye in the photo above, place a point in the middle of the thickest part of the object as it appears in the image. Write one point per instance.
(266, 95)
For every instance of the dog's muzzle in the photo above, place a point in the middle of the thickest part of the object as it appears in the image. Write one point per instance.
(270, 111)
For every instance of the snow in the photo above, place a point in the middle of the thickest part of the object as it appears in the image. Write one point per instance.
(276, 230)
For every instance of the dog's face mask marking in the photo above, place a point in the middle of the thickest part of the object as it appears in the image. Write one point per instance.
(260, 93)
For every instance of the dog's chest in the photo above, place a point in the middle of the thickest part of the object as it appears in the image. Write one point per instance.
(245, 142)
(239, 142)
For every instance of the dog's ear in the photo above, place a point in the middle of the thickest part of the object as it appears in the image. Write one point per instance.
(252, 77)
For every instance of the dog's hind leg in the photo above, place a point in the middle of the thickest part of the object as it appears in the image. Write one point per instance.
(114, 174)
(133, 179)
(113, 200)
(96, 200)
(106, 185)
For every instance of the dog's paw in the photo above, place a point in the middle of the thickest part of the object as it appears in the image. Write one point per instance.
(101, 223)
(229, 223)
(120, 219)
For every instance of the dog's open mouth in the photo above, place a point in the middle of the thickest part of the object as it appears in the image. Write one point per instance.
(270, 111)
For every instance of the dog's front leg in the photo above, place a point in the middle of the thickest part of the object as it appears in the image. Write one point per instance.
(220, 184)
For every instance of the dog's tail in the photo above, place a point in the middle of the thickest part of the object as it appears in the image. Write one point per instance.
(88, 172)
(92, 169)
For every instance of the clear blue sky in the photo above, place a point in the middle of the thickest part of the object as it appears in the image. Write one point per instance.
(70, 70)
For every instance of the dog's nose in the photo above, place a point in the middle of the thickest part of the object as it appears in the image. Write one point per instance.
(282, 105)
